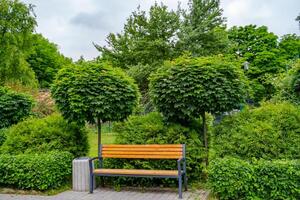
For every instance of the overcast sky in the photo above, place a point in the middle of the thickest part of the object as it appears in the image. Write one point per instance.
(75, 24)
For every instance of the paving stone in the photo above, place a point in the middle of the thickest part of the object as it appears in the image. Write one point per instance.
(110, 194)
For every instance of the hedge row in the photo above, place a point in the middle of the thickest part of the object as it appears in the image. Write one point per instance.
(232, 178)
(35, 171)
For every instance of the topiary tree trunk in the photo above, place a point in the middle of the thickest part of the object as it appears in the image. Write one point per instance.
(99, 133)
(205, 139)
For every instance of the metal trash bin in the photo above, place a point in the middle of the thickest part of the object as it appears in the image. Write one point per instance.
(81, 174)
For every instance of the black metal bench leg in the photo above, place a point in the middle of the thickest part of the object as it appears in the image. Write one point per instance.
(185, 182)
(91, 183)
(180, 187)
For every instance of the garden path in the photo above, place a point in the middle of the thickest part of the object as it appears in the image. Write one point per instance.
(109, 194)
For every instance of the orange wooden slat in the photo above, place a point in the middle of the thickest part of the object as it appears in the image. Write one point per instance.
(141, 153)
(137, 172)
(143, 149)
(142, 145)
(142, 156)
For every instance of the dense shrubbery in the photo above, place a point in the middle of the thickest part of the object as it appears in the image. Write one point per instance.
(36, 171)
(271, 131)
(233, 178)
(46, 134)
(13, 107)
(150, 129)
(2, 136)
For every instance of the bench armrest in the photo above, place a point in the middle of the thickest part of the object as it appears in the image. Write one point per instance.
(179, 161)
(91, 163)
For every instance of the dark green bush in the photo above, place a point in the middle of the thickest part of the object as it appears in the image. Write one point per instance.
(46, 134)
(232, 178)
(271, 131)
(13, 107)
(36, 171)
(2, 136)
(150, 129)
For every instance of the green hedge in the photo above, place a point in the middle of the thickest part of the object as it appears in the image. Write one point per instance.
(232, 178)
(46, 134)
(14, 107)
(271, 131)
(151, 129)
(36, 171)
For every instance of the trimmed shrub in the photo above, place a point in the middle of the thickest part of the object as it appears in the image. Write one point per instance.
(150, 129)
(46, 134)
(14, 107)
(186, 88)
(271, 131)
(94, 90)
(232, 178)
(36, 171)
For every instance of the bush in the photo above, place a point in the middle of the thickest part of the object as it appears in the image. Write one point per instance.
(2, 136)
(14, 107)
(46, 134)
(271, 131)
(232, 178)
(36, 171)
(150, 129)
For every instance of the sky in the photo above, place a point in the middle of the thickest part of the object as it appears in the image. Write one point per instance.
(74, 25)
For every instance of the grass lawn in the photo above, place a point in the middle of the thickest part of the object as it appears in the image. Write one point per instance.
(107, 138)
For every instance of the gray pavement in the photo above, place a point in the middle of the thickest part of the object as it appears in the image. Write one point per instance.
(108, 194)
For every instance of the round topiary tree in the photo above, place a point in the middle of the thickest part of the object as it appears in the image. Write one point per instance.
(13, 107)
(94, 91)
(186, 88)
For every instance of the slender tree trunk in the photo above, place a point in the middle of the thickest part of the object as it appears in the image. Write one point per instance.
(99, 134)
(205, 140)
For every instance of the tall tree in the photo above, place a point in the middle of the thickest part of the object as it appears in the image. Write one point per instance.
(146, 38)
(259, 48)
(250, 40)
(17, 22)
(45, 60)
(203, 30)
(289, 46)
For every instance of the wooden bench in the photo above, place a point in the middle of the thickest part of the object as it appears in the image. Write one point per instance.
(151, 151)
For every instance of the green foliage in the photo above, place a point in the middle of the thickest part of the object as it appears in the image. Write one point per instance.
(288, 85)
(289, 46)
(147, 38)
(14, 107)
(17, 22)
(46, 134)
(151, 129)
(45, 60)
(233, 178)
(186, 88)
(249, 40)
(259, 47)
(85, 92)
(203, 31)
(2, 136)
(36, 171)
(271, 131)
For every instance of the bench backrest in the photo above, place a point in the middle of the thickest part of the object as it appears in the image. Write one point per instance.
(148, 151)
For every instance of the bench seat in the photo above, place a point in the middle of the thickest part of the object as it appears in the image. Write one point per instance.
(142, 151)
(137, 172)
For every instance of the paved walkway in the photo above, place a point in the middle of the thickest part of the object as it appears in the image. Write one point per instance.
(109, 194)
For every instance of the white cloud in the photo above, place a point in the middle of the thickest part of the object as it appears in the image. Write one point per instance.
(75, 24)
